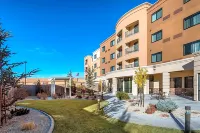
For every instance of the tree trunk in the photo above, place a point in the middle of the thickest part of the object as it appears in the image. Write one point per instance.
(143, 98)
(0, 112)
(140, 98)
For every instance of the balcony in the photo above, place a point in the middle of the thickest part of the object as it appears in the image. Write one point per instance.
(132, 65)
(119, 68)
(132, 49)
(119, 54)
(119, 39)
(132, 32)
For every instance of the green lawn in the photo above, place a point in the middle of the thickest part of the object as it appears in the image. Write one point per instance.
(75, 116)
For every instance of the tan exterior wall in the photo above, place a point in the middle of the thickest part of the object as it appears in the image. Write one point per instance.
(174, 36)
(108, 50)
(136, 16)
(96, 61)
(89, 63)
(33, 81)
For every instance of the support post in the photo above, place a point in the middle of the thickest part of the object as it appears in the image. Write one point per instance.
(187, 119)
(70, 86)
(65, 89)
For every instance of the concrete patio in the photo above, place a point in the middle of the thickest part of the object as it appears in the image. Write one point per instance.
(119, 110)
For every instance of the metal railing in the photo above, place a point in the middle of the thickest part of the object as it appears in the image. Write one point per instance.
(119, 39)
(131, 32)
(119, 68)
(131, 49)
(132, 65)
(119, 54)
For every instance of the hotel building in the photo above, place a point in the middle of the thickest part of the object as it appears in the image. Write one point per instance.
(164, 38)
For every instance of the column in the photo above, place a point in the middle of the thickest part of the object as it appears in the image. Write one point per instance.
(196, 79)
(114, 85)
(166, 82)
(134, 88)
(196, 84)
(53, 86)
(65, 89)
(123, 85)
(146, 87)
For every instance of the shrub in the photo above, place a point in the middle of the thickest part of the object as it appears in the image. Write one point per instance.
(19, 112)
(166, 106)
(42, 96)
(54, 96)
(122, 96)
(28, 126)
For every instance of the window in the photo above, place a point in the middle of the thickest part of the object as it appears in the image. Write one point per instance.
(151, 78)
(135, 46)
(189, 82)
(191, 20)
(112, 56)
(176, 82)
(156, 36)
(95, 65)
(136, 62)
(157, 57)
(156, 15)
(112, 68)
(112, 43)
(95, 56)
(95, 75)
(103, 71)
(136, 28)
(191, 47)
(185, 1)
(103, 60)
(103, 48)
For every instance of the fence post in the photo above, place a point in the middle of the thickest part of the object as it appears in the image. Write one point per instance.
(187, 119)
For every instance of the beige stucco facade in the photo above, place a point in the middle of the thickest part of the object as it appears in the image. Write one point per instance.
(96, 63)
(175, 70)
(87, 64)
(131, 29)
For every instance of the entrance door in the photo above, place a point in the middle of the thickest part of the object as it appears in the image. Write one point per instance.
(198, 86)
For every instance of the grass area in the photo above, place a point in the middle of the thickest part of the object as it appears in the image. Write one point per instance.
(75, 116)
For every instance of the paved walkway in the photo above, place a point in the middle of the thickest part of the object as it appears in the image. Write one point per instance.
(117, 109)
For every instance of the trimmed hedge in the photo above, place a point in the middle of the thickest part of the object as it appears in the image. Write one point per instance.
(166, 106)
(122, 96)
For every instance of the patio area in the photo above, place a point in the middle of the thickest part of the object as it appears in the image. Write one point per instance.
(124, 111)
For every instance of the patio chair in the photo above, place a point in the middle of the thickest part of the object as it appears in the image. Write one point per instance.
(154, 96)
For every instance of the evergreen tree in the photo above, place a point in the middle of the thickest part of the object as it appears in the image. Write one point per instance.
(8, 78)
(90, 77)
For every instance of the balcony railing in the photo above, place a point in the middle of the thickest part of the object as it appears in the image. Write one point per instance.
(132, 65)
(119, 39)
(119, 55)
(131, 32)
(119, 68)
(131, 50)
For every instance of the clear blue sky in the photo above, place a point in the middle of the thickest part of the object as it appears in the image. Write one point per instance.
(55, 35)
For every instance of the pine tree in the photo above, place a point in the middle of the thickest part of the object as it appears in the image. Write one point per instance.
(90, 78)
(8, 78)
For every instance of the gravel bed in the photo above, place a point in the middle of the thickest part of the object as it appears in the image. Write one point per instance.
(180, 112)
(41, 121)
